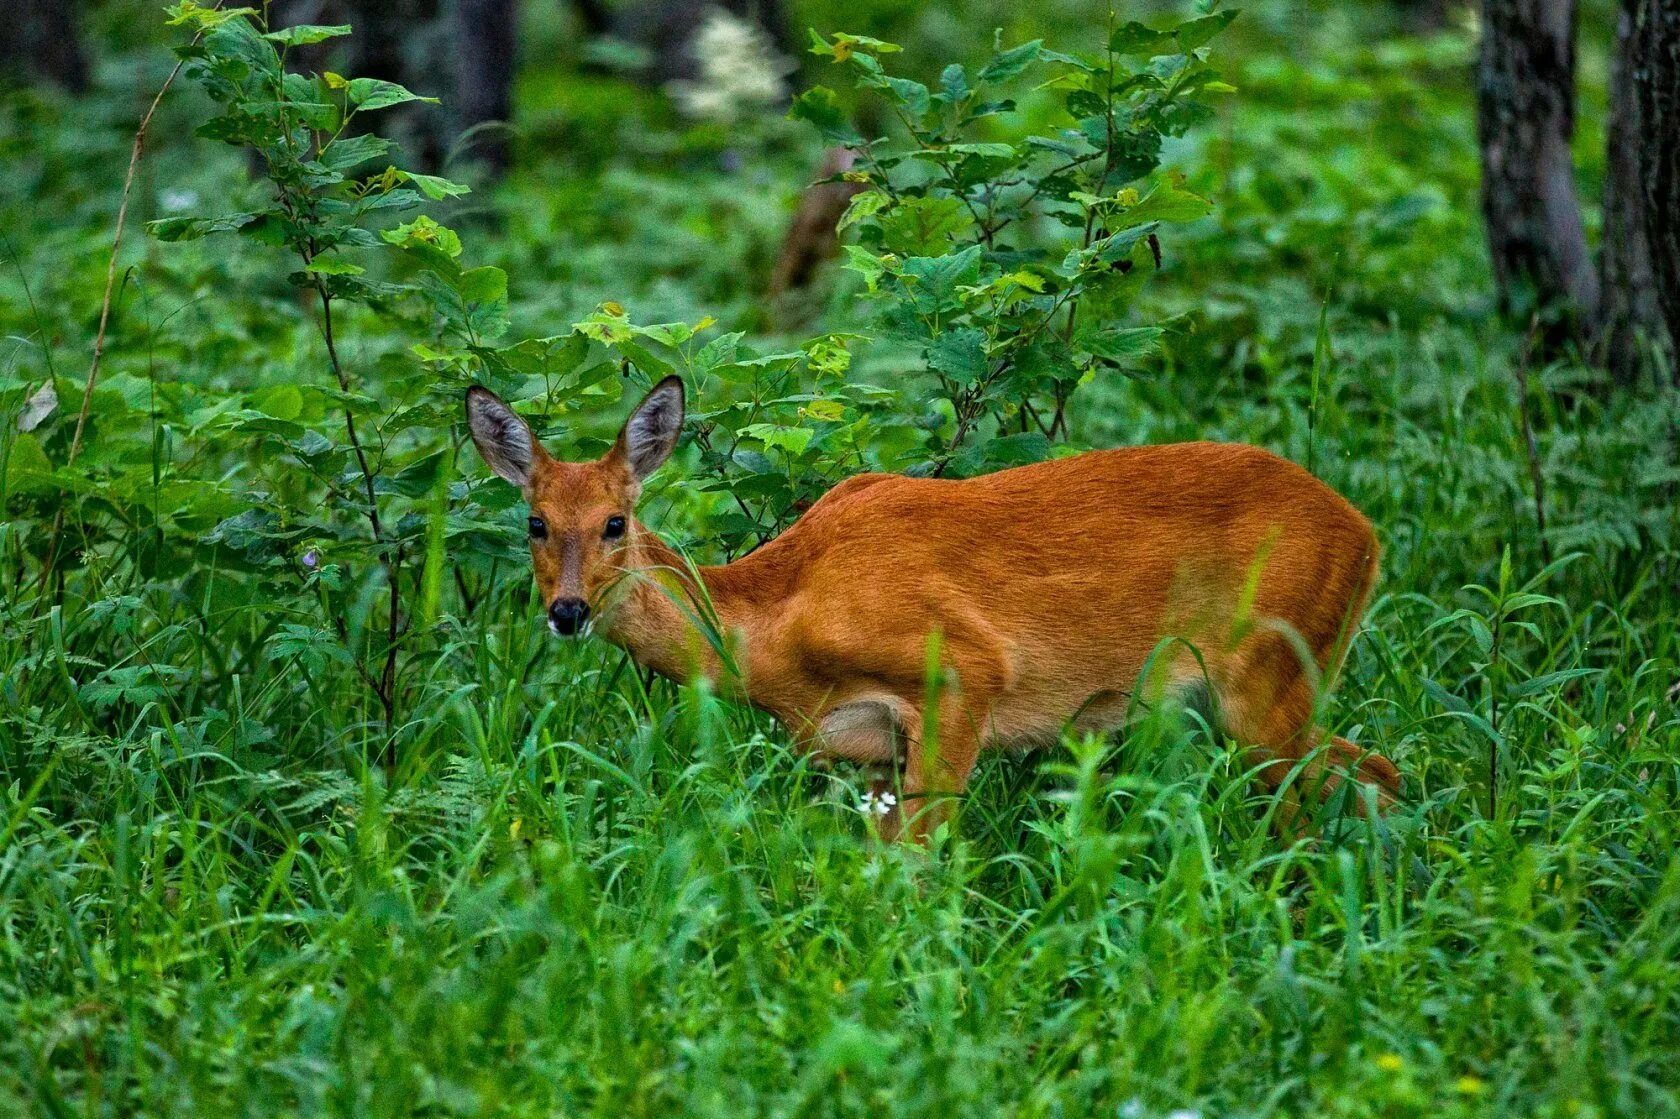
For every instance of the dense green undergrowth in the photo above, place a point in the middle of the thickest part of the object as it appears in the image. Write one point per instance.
(234, 879)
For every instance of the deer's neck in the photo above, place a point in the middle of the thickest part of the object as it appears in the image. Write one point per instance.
(670, 613)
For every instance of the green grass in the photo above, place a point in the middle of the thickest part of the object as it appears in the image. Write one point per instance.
(577, 893)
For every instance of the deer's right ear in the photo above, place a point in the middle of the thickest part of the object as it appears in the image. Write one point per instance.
(502, 438)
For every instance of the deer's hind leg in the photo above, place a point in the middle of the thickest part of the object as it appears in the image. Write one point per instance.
(1273, 713)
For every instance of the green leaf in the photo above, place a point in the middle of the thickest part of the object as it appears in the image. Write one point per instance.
(1010, 63)
(376, 93)
(984, 151)
(191, 229)
(1136, 40)
(1198, 32)
(306, 33)
(792, 440)
(863, 204)
(820, 107)
(923, 226)
(423, 233)
(283, 402)
(483, 285)
(197, 15)
(865, 264)
(912, 96)
(485, 292)
(436, 187)
(415, 479)
(1168, 201)
(1120, 345)
(330, 266)
(953, 84)
(960, 355)
(346, 152)
(27, 467)
(846, 46)
(933, 281)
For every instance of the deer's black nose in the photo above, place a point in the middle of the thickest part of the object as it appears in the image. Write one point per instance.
(567, 615)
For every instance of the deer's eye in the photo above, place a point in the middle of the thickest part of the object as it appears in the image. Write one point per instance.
(538, 527)
(614, 529)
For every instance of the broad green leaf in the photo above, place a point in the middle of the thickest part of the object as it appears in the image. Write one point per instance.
(960, 355)
(1168, 201)
(27, 467)
(1119, 344)
(1136, 40)
(923, 226)
(844, 46)
(331, 266)
(1010, 63)
(828, 411)
(820, 107)
(933, 281)
(376, 93)
(435, 187)
(423, 232)
(304, 34)
(863, 204)
(200, 16)
(865, 264)
(1198, 32)
(912, 96)
(190, 229)
(792, 440)
(283, 402)
(348, 151)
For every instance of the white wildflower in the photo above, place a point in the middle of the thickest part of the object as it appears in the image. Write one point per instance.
(174, 201)
(740, 72)
(873, 803)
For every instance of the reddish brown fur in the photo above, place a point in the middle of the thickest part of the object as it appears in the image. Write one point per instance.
(1050, 586)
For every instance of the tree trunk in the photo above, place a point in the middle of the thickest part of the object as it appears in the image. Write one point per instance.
(810, 238)
(1656, 83)
(1526, 116)
(1631, 311)
(1423, 17)
(486, 35)
(38, 38)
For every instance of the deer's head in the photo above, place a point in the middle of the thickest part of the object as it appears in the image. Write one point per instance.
(582, 513)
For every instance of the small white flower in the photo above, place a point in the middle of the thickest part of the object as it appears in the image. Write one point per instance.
(876, 804)
(175, 200)
(1184, 1113)
(1132, 1109)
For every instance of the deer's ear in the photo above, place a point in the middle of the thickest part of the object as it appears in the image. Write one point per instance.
(502, 438)
(650, 434)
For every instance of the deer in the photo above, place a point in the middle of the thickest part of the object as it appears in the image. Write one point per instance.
(1059, 596)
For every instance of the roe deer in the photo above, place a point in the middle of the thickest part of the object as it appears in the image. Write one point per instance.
(1051, 588)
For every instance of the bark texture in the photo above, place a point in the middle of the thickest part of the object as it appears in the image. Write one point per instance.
(1632, 318)
(1656, 87)
(810, 238)
(486, 36)
(1526, 117)
(38, 39)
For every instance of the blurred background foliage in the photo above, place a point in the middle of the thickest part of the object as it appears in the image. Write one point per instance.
(279, 840)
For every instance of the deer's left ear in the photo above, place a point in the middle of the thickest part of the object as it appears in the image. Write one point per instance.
(650, 434)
